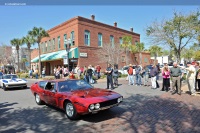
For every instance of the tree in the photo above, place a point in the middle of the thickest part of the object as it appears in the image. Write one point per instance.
(127, 42)
(197, 55)
(29, 40)
(38, 34)
(177, 32)
(140, 49)
(110, 53)
(187, 53)
(17, 43)
(5, 56)
(155, 50)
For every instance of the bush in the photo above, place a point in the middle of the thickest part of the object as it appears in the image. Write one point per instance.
(24, 75)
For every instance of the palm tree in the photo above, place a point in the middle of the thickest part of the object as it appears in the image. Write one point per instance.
(29, 40)
(38, 34)
(17, 43)
(127, 42)
(155, 50)
(133, 49)
(140, 49)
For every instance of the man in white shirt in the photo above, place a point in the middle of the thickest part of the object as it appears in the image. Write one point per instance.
(191, 75)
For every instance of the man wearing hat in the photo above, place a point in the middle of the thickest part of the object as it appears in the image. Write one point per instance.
(191, 75)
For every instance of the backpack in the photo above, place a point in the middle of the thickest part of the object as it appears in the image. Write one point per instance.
(130, 71)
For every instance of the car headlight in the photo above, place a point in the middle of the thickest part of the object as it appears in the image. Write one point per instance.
(92, 106)
(97, 106)
(119, 99)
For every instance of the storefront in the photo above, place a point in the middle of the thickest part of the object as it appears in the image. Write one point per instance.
(51, 60)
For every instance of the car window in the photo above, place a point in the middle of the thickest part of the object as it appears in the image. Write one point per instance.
(42, 84)
(9, 76)
(73, 85)
(51, 86)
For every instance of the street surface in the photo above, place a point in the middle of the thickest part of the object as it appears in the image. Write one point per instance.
(143, 111)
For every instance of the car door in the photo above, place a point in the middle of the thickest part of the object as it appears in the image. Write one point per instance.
(50, 93)
(40, 89)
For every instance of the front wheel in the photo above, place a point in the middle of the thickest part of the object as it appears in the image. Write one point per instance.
(4, 88)
(38, 100)
(70, 111)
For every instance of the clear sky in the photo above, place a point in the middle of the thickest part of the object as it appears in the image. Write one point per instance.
(16, 21)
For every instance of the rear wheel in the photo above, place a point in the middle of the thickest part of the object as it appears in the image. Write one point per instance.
(38, 100)
(70, 111)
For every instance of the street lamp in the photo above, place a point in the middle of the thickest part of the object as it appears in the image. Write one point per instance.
(67, 46)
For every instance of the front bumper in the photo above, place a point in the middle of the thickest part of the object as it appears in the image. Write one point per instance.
(15, 85)
(103, 108)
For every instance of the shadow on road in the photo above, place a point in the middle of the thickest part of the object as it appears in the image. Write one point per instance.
(137, 113)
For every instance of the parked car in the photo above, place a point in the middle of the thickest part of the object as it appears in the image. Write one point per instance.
(125, 68)
(12, 81)
(75, 97)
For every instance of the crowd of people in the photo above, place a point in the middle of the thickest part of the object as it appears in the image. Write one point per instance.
(175, 74)
(136, 76)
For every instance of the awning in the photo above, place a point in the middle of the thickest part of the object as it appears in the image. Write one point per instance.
(73, 53)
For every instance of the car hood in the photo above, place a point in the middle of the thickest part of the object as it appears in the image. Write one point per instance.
(13, 80)
(93, 92)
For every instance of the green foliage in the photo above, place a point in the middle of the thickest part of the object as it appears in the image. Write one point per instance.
(24, 75)
(197, 55)
(178, 32)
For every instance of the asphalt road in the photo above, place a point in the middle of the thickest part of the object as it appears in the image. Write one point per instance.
(143, 110)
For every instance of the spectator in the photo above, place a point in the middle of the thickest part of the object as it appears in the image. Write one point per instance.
(196, 68)
(36, 73)
(191, 75)
(30, 73)
(54, 71)
(78, 72)
(175, 73)
(197, 76)
(138, 76)
(86, 78)
(166, 78)
(146, 76)
(89, 73)
(65, 72)
(43, 72)
(130, 74)
(98, 68)
(108, 72)
(115, 75)
(153, 73)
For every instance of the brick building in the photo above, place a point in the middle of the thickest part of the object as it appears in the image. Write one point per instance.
(87, 37)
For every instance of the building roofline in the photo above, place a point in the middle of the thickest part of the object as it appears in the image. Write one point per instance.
(94, 22)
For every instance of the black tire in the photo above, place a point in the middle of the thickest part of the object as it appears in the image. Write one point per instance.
(70, 111)
(25, 87)
(4, 88)
(38, 100)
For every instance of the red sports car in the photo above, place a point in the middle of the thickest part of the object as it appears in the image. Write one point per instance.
(75, 97)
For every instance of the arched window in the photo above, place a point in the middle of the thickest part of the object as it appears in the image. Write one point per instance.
(120, 41)
(87, 38)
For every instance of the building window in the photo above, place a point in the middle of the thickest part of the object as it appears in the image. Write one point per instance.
(112, 40)
(100, 40)
(49, 45)
(72, 37)
(65, 40)
(120, 41)
(54, 44)
(45, 49)
(58, 42)
(87, 38)
(136, 42)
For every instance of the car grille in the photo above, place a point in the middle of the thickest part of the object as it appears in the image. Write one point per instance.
(16, 85)
(108, 103)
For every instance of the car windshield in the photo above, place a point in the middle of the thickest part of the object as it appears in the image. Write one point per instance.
(9, 76)
(72, 85)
